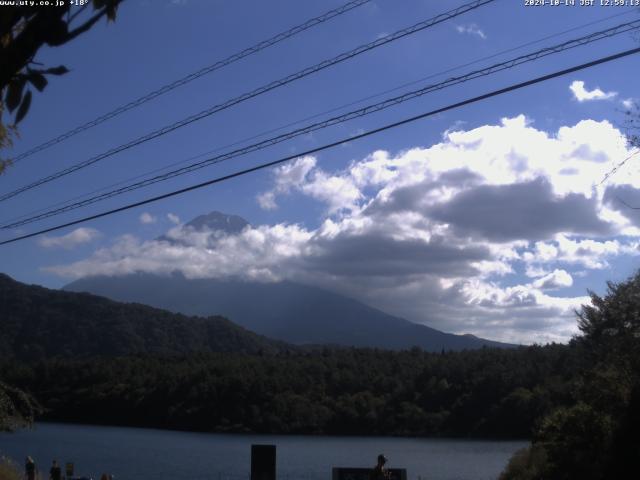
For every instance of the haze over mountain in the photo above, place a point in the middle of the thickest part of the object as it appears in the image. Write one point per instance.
(37, 322)
(284, 310)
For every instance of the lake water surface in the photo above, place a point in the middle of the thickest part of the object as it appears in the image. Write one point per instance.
(137, 453)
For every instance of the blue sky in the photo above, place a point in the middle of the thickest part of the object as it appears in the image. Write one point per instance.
(485, 219)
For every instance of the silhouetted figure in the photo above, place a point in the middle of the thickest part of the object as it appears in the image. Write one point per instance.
(30, 469)
(379, 472)
(55, 473)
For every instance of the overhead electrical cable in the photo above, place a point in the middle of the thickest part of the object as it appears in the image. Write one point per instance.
(197, 74)
(316, 115)
(618, 166)
(387, 103)
(374, 131)
(254, 93)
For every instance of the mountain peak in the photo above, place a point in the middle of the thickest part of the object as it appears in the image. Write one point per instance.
(215, 220)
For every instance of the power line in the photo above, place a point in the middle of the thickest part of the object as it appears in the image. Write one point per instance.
(311, 117)
(626, 204)
(618, 166)
(254, 93)
(405, 121)
(193, 76)
(587, 39)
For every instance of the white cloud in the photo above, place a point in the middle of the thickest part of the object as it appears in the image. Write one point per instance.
(628, 103)
(338, 192)
(588, 253)
(535, 271)
(581, 94)
(256, 254)
(471, 29)
(146, 218)
(173, 218)
(287, 177)
(436, 234)
(77, 237)
(554, 280)
(267, 200)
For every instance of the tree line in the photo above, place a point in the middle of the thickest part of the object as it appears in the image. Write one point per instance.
(481, 393)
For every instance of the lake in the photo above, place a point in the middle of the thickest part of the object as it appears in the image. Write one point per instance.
(139, 453)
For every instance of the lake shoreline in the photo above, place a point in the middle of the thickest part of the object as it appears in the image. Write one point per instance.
(129, 452)
(265, 434)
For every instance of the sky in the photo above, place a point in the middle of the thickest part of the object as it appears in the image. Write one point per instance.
(491, 219)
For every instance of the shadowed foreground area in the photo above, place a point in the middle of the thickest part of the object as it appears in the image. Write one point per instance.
(596, 435)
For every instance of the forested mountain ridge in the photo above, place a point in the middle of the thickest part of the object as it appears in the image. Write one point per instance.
(37, 322)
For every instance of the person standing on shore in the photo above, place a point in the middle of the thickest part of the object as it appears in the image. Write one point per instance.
(379, 472)
(55, 473)
(30, 469)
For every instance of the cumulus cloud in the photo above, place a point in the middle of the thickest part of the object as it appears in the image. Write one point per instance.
(146, 218)
(337, 191)
(257, 254)
(625, 199)
(504, 212)
(588, 253)
(480, 233)
(554, 280)
(471, 29)
(581, 94)
(287, 177)
(173, 218)
(72, 239)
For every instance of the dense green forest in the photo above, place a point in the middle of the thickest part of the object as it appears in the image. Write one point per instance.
(487, 392)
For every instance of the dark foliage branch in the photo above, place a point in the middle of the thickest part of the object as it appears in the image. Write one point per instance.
(17, 409)
(23, 31)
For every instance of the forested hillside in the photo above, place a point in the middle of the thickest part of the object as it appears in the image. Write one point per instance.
(38, 323)
(487, 392)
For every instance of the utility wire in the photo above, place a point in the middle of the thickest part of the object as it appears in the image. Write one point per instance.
(626, 204)
(618, 166)
(254, 93)
(192, 76)
(390, 126)
(320, 114)
(587, 39)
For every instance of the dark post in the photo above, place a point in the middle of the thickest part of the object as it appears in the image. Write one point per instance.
(69, 469)
(263, 462)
